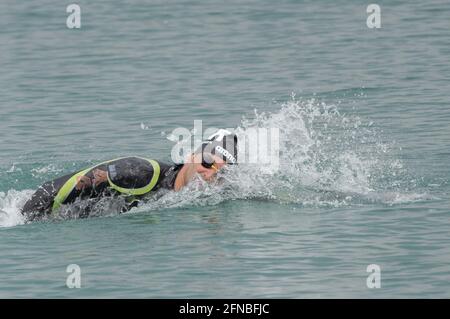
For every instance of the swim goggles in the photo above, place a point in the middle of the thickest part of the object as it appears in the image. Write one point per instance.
(208, 161)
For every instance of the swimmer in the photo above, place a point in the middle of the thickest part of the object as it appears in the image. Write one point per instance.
(132, 177)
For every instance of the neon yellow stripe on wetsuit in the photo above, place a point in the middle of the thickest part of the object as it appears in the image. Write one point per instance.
(142, 190)
(68, 187)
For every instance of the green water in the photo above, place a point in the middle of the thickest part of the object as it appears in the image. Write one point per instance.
(369, 187)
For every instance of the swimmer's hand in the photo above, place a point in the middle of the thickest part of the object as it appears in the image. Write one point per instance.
(84, 181)
(100, 177)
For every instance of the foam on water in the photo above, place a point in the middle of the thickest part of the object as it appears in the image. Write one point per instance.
(326, 159)
(10, 206)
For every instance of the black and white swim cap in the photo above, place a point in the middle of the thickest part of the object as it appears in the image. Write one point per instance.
(223, 143)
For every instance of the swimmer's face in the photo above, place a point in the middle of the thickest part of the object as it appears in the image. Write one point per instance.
(208, 174)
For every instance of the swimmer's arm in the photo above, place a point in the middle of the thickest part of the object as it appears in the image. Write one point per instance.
(184, 176)
(179, 181)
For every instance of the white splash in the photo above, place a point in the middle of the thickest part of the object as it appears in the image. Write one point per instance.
(40, 171)
(326, 159)
(10, 205)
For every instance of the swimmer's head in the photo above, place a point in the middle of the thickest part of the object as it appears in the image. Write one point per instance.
(207, 165)
(222, 144)
(217, 151)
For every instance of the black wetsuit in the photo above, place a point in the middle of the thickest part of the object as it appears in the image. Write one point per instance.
(133, 177)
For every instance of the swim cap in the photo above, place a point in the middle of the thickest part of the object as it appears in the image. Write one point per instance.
(223, 143)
